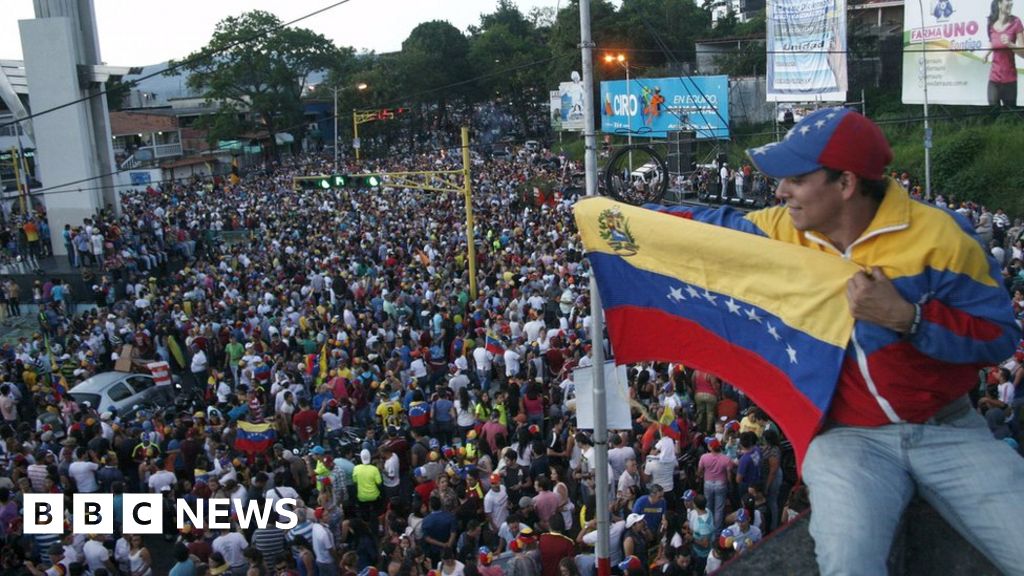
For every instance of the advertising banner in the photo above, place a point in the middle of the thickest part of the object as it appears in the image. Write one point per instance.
(653, 107)
(966, 60)
(570, 95)
(806, 50)
(555, 107)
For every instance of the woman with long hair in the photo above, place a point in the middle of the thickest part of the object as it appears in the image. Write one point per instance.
(138, 556)
(566, 506)
(1006, 37)
(465, 419)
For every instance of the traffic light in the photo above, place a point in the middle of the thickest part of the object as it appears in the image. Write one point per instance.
(336, 181)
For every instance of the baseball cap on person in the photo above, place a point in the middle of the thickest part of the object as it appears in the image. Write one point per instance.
(689, 495)
(838, 138)
(633, 519)
(630, 563)
(742, 515)
(364, 456)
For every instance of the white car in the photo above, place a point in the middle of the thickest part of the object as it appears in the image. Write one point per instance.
(121, 390)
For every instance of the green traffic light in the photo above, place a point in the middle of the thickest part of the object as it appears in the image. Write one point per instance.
(339, 181)
(325, 184)
(373, 181)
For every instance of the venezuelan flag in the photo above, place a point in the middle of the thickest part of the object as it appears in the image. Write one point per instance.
(253, 438)
(493, 343)
(771, 318)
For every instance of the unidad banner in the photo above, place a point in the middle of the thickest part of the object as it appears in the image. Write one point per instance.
(971, 49)
(806, 50)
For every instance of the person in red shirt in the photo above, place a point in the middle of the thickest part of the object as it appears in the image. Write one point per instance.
(494, 433)
(553, 546)
(306, 422)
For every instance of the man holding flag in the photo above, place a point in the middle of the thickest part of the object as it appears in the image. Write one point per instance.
(876, 411)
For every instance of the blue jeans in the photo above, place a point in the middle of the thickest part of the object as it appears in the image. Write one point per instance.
(861, 479)
(716, 492)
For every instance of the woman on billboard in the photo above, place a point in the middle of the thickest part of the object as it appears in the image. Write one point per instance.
(1006, 35)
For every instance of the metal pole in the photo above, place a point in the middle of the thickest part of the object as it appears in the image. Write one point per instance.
(335, 128)
(596, 314)
(927, 128)
(467, 187)
(629, 120)
(355, 135)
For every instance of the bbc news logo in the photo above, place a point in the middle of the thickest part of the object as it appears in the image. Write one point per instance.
(144, 513)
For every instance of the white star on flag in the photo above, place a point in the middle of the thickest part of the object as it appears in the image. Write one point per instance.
(830, 115)
(676, 294)
(773, 331)
(820, 124)
(752, 315)
(805, 129)
(693, 292)
(734, 308)
(710, 297)
(792, 354)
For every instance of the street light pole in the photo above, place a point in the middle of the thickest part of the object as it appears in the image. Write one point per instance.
(335, 90)
(629, 113)
(927, 128)
(622, 61)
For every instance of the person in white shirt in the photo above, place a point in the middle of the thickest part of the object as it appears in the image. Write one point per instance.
(392, 480)
(323, 547)
(483, 358)
(160, 479)
(96, 555)
(83, 472)
(231, 546)
(512, 358)
(496, 503)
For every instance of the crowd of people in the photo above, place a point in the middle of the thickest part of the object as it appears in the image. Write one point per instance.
(423, 429)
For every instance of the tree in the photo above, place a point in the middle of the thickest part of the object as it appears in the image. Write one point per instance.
(508, 55)
(434, 66)
(256, 70)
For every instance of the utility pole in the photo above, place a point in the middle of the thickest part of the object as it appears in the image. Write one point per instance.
(596, 313)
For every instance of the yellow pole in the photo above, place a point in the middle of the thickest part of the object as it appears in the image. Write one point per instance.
(15, 160)
(355, 135)
(467, 187)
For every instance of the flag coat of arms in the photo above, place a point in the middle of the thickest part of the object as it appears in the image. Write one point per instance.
(768, 317)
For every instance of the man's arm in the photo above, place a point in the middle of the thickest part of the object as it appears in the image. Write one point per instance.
(723, 216)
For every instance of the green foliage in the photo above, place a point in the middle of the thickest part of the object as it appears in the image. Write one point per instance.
(257, 70)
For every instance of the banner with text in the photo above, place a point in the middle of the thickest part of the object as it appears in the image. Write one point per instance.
(966, 62)
(653, 107)
(806, 51)
(570, 97)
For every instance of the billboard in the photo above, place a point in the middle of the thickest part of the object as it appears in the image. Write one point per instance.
(655, 106)
(555, 107)
(570, 97)
(962, 57)
(806, 50)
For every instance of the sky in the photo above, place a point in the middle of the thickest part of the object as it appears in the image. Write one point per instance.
(139, 33)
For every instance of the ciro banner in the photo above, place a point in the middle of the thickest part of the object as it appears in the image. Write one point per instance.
(652, 107)
(969, 50)
(806, 50)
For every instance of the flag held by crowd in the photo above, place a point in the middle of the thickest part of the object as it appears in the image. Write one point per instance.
(253, 437)
(769, 318)
(493, 343)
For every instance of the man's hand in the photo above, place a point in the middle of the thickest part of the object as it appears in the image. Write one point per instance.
(873, 298)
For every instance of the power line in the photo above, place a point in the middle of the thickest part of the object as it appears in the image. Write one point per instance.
(188, 61)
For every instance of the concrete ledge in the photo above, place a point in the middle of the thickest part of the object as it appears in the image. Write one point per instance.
(925, 545)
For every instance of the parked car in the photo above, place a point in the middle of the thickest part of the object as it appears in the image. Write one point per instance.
(532, 145)
(121, 390)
